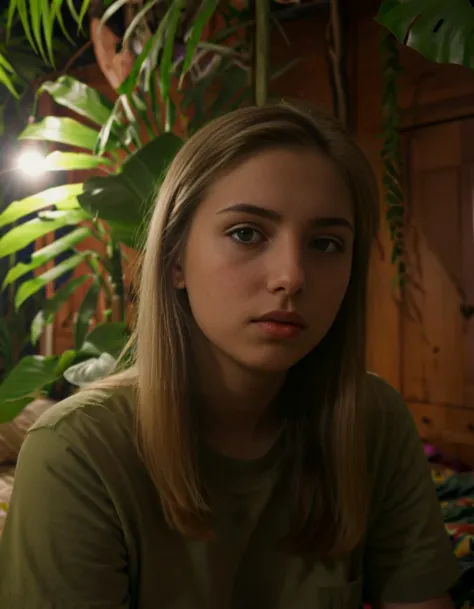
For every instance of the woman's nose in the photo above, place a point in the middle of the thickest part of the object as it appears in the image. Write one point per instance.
(286, 270)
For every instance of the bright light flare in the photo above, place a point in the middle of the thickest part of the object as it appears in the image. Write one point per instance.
(32, 163)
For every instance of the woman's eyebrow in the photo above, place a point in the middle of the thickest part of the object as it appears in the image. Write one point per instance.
(270, 214)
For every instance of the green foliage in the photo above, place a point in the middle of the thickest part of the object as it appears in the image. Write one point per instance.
(32, 376)
(107, 338)
(24, 383)
(124, 199)
(441, 31)
(112, 206)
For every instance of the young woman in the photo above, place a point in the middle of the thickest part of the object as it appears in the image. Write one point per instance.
(246, 460)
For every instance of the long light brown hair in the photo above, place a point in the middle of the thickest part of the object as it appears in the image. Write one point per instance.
(326, 422)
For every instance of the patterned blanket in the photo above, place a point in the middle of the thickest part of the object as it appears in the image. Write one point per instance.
(456, 495)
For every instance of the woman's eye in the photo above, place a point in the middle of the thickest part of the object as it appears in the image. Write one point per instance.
(246, 234)
(327, 245)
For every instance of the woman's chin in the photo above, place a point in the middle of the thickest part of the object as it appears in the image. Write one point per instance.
(275, 362)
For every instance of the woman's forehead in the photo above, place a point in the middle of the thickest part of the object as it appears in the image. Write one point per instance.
(290, 182)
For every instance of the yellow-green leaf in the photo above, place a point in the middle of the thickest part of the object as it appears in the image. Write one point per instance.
(58, 195)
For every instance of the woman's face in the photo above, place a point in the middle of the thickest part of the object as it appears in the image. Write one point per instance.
(268, 258)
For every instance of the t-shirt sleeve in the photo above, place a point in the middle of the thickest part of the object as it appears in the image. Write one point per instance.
(409, 557)
(62, 545)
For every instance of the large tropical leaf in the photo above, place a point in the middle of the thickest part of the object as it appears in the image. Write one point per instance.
(79, 97)
(69, 161)
(24, 383)
(62, 130)
(20, 236)
(63, 197)
(107, 338)
(123, 200)
(31, 286)
(442, 31)
(89, 103)
(46, 254)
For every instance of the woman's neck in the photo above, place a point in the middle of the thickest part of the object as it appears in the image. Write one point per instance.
(237, 412)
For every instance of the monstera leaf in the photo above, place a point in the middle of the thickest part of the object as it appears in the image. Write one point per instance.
(123, 200)
(441, 30)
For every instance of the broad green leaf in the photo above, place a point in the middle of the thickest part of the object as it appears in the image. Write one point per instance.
(205, 12)
(441, 31)
(62, 130)
(46, 254)
(91, 370)
(31, 286)
(108, 338)
(58, 161)
(56, 195)
(80, 98)
(26, 380)
(20, 236)
(12, 408)
(85, 314)
(123, 200)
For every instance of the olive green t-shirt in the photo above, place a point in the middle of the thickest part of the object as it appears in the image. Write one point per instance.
(85, 528)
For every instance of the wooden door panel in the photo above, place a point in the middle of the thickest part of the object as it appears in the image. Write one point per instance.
(433, 359)
(467, 229)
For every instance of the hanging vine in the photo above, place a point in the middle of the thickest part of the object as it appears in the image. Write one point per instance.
(408, 274)
(392, 156)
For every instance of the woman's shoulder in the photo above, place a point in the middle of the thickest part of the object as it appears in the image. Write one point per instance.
(103, 410)
(390, 425)
(384, 402)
